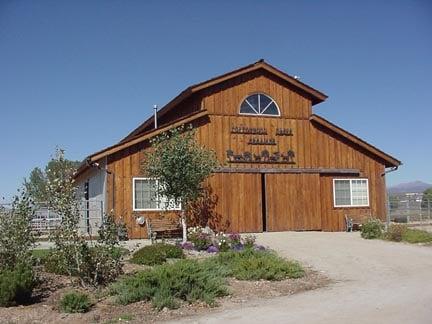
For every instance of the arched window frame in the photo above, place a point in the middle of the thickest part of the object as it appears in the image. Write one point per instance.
(259, 114)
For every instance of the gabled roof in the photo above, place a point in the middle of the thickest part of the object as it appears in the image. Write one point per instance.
(137, 139)
(389, 160)
(315, 95)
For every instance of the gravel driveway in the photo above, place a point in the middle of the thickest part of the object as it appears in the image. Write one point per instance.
(376, 282)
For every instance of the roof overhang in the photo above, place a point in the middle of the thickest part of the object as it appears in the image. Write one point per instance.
(389, 160)
(87, 163)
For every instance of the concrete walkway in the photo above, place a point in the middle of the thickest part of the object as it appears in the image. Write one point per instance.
(376, 282)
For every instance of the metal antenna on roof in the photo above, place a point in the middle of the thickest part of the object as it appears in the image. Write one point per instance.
(155, 108)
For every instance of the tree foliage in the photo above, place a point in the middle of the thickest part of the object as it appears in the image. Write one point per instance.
(16, 236)
(94, 265)
(180, 164)
(37, 182)
(427, 199)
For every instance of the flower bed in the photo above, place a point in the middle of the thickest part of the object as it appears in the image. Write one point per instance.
(204, 239)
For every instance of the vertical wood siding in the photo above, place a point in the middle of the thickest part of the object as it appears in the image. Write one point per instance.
(294, 201)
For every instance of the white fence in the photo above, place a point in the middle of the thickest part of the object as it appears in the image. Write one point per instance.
(46, 220)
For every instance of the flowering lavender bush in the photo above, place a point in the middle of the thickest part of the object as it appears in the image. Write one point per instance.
(204, 239)
(212, 249)
(234, 238)
(187, 246)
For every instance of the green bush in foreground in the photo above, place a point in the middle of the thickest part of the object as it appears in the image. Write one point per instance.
(16, 285)
(192, 280)
(257, 265)
(401, 233)
(166, 285)
(157, 254)
(372, 229)
(75, 302)
(416, 236)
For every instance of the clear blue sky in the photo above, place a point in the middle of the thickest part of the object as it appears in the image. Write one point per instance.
(82, 74)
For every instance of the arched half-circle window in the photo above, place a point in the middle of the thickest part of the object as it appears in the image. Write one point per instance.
(259, 104)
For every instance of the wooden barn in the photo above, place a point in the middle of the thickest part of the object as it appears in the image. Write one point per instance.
(284, 168)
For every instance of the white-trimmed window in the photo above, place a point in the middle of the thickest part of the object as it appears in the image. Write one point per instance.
(351, 192)
(259, 104)
(146, 196)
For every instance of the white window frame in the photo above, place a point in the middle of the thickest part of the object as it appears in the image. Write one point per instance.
(351, 195)
(259, 114)
(134, 179)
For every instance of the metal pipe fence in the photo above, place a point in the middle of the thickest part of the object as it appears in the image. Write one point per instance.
(46, 220)
(410, 209)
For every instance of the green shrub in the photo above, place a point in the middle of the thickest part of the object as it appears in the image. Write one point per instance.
(16, 285)
(75, 302)
(16, 235)
(166, 285)
(395, 232)
(157, 254)
(256, 265)
(100, 264)
(416, 236)
(372, 229)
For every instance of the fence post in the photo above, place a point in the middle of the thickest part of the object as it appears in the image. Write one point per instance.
(429, 208)
(408, 210)
(421, 212)
(388, 212)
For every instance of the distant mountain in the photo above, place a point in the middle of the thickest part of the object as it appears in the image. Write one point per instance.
(415, 186)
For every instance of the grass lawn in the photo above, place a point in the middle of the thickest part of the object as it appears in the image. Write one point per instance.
(40, 253)
(403, 233)
(416, 236)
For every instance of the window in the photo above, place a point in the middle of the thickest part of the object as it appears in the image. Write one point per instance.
(146, 196)
(351, 192)
(259, 104)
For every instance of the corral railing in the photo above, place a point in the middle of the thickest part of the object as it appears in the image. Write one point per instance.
(46, 219)
(410, 209)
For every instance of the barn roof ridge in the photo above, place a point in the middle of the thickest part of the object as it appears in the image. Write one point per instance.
(316, 95)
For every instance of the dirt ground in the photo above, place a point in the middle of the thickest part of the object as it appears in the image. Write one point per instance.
(375, 282)
(44, 308)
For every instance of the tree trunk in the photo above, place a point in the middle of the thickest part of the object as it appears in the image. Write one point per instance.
(184, 227)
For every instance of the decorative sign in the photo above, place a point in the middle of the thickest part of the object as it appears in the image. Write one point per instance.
(248, 130)
(264, 157)
(284, 132)
(261, 141)
(260, 131)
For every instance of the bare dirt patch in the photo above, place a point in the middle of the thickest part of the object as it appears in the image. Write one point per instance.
(45, 310)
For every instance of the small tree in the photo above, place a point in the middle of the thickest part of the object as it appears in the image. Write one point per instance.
(37, 183)
(181, 165)
(61, 193)
(94, 265)
(16, 236)
(427, 199)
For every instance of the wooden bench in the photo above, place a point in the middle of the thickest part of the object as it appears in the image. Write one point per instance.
(352, 224)
(163, 228)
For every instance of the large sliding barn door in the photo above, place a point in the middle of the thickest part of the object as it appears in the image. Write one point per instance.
(293, 202)
(238, 201)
